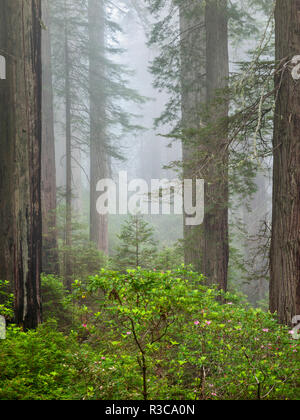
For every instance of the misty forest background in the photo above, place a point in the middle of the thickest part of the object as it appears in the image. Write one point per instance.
(146, 307)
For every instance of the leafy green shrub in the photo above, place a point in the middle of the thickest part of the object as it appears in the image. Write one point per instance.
(56, 301)
(152, 335)
(85, 259)
(169, 258)
(6, 300)
(167, 336)
(36, 365)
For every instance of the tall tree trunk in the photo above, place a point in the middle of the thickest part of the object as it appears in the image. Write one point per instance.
(285, 246)
(98, 152)
(50, 247)
(193, 98)
(216, 248)
(205, 69)
(20, 156)
(68, 228)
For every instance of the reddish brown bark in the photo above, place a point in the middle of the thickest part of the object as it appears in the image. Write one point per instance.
(205, 69)
(285, 247)
(216, 248)
(20, 156)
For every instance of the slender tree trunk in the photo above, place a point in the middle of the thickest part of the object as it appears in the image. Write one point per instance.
(255, 248)
(98, 152)
(68, 231)
(205, 69)
(50, 247)
(285, 246)
(193, 98)
(20, 156)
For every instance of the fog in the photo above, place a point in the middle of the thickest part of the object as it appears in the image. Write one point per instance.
(135, 143)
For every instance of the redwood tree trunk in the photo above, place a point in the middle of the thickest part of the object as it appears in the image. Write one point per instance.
(205, 69)
(98, 153)
(216, 249)
(20, 156)
(50, 247)
(193, 98)
(285, 247)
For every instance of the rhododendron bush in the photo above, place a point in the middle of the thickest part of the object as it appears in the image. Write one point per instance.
(150, 335)
(166, 335)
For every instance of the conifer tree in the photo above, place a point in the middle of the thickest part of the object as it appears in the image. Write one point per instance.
(202, 69)
(137, 248)
(89, 86)
(193, 69)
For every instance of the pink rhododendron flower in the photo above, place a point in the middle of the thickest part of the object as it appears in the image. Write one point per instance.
(207, 322)
(265, 330)
(196, 322)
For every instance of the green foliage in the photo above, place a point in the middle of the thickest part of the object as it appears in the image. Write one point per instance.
(6, 300)
(36, 365)
(167, 229)
(250, 95)
(137, 246)
(112, 88)
(154, 335)
(47, 365)
(169, 258)
(56, 302)
(166, 336)
(85, 258)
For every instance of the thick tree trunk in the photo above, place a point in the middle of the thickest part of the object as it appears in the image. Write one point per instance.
(50, 247)
(205, 69)
(216, 248)
(285, 247)
(193, 98)
(98, 154)
(20, 156)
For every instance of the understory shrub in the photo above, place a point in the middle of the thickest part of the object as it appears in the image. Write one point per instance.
(150, 335)
(165, 335)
